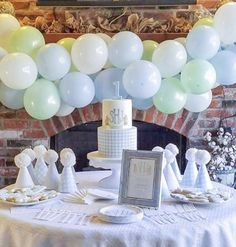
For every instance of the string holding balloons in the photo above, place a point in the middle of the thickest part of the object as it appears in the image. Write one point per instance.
(53, 79)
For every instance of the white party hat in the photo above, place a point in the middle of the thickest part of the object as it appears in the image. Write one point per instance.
(30, 152)
(67, 183)
(40, 169)
(52, 177)
(203, 180)
(174, 150)
(170, 177)
(165, 193)
(190, 173)
(24, 179)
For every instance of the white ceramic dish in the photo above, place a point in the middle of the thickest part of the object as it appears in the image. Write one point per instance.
(27, 203)
(121, 214)
(102, 194)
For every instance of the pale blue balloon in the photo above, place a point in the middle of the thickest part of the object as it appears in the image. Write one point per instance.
(224, 63)
(53, 61)
(105, 84)
(203, 42)
(11, 98)
(142, 104)
(77, 89)
(125, 48)
(142, 79)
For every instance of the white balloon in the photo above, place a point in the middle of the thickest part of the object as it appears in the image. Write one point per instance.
(53, 61)
(18, 71)
(169, 57)
(198, 102)
(3, 53)
(224, 23)
(89, 53)
(8, 24)
(64, 109)
(125, 48)
(141, 79)
(107, 40)
(181, 40)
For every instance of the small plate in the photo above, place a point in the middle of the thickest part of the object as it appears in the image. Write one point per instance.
(121, 214)
(102, 194)
(27, 203)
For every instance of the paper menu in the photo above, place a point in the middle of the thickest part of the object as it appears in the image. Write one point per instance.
(141, 178)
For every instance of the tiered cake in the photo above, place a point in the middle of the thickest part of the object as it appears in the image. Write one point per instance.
(116, 132)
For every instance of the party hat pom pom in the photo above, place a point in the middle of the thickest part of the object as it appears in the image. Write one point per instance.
(191, 154)
(173, 148)
(202, 157)
(158, 149)
(22, 160)
(39, 150)
(51, 156)
(67, 157)
(30, 152)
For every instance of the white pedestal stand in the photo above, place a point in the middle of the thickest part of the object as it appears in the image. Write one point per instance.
(113, 181)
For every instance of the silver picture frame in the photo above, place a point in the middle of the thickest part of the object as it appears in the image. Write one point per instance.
(140, 180)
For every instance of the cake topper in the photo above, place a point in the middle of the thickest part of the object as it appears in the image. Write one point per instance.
(117, 90)
(52, 177)
(24, 179)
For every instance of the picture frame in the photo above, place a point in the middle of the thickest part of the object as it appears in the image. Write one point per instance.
(141, 178)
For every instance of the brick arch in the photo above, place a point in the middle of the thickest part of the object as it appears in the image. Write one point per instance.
(181, 122)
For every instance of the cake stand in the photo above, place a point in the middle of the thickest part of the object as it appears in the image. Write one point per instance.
(97, 160)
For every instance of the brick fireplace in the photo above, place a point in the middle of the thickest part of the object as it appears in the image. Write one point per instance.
(18, 130)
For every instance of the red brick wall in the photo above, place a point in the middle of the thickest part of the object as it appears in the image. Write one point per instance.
(18, 130)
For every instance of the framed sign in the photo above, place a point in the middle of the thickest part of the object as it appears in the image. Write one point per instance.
(141, 175)
(114, 3)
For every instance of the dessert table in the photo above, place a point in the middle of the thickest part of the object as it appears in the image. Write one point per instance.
(215, 227)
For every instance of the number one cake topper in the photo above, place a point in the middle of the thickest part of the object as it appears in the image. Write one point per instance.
(117, 89)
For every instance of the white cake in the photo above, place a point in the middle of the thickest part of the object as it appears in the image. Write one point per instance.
(116, 132)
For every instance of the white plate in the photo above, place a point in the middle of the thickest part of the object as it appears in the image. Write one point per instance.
(121, 214)
(102, 194)
(27, 203)
(186, 200)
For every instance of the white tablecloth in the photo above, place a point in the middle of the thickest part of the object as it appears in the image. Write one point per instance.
(19, 229)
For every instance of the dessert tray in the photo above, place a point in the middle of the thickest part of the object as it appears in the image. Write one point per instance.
(26, 196)
(121, 214)
(210, 197)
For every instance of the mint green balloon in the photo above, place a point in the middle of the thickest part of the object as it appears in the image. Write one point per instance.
(198, 76)
(42, 100)
(26, 39)
(148, 48)
(171, 97)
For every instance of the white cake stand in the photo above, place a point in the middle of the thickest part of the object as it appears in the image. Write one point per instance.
(97, 160)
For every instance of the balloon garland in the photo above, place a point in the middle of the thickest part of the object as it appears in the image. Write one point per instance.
(54, 79)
